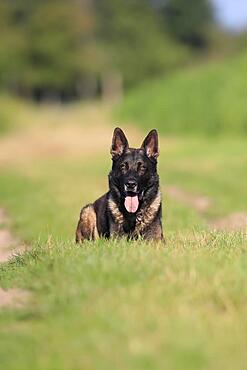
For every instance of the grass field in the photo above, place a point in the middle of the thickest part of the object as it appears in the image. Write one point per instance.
(207, 99)
(121, 305)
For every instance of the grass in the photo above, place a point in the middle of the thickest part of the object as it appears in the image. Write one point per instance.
(209, 99)
(45, 198)
(10, 110)
(121, 305)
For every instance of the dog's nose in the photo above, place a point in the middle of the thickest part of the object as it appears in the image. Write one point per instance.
(131, 185)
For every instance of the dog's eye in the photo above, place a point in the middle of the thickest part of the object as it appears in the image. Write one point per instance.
(124, 166)
(141, 167)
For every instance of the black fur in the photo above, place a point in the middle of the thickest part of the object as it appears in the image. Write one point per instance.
(133, 173)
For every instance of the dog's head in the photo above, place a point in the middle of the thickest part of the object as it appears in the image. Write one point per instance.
(134, 179)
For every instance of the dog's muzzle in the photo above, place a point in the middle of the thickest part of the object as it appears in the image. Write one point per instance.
(131, 201)
(130, 186)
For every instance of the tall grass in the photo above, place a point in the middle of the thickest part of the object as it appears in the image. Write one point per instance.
(209, 99)
(118, 304)
(10, 109)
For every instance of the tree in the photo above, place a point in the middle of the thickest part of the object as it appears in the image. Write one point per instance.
(66, 48)
(188, 21)
(135, 43)
(48, 47)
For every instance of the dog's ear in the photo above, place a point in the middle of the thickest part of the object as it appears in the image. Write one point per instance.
(150, 144)
(119, 143)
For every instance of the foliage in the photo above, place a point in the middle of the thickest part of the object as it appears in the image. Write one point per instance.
(135, 44)
(66, 47)
(209, 99)
(188, 21)
(54, 45)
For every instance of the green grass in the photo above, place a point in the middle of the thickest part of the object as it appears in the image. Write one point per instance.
(208, 99)
(129, 305)
(45, 198)
(121, 305)
(10, 109)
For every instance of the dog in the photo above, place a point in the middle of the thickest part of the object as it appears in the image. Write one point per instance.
(132, 207)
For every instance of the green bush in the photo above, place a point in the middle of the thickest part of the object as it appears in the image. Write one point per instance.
(209, 99)
(64, 47)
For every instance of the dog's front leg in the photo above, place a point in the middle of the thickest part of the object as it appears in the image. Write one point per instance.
(87, 225)
(154, 232)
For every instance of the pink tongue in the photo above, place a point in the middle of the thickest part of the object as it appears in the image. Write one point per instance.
(131, 204)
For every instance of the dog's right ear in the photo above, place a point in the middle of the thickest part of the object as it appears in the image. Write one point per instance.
(119, 143)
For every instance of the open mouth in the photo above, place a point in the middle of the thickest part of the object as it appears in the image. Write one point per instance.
(132, 201)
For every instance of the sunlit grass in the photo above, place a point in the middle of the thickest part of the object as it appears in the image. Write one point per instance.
(118, 304)
(209, 99)
(132, 305)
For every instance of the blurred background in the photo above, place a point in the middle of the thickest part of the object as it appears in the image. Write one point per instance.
(61, 51)
(72, 70)
(64, 50)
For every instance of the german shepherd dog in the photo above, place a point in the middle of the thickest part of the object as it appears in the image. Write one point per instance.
(132, 206)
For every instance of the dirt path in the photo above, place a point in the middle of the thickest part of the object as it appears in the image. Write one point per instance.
(56, 132)
(61, 132)
(198, 202)
(10, 246)
(16, 298)
(233, 222)
(236, 221)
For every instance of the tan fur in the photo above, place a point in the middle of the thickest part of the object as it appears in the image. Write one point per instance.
(117, 215)
(87, 225)
(146, 216)
(153, 232)
(117, 227)
(144, 219)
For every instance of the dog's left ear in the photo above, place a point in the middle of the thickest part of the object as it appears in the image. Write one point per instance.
(150, 144)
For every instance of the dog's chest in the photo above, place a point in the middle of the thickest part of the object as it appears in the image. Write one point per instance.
(132, 225)
(129, 225)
